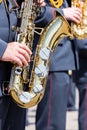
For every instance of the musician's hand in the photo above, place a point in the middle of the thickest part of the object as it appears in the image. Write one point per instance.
(17, 53)
(73, 14)
(40, 2)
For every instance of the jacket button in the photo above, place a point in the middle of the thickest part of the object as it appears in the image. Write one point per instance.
(13, 28)
(70, 72)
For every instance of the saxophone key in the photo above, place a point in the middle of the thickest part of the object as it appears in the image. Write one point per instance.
(26, 97)
(45, 53)
(41, 71)
(18, 70)
(37, 88)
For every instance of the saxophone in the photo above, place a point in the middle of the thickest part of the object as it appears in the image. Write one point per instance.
(80, 30)
(27, 84)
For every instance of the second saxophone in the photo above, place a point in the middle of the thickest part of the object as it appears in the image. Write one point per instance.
(80, 30)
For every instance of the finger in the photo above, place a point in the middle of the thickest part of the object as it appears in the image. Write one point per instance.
(23, 46)
(77, 18)
(73, 19)
(78, 12)
(24, 53)
(38, 1)
(17, 61)
(23, 60)
(41, 2)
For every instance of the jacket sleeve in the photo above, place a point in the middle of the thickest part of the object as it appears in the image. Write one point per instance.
(3, 46)
(47, 14)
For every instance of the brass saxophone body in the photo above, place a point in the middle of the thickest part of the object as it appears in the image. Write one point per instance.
(34, 80)
(80, 30)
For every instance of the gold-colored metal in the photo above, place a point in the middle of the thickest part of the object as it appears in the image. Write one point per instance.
(19, 80)
(0, 1)
(56, 3)
(80, 30)
(27, 86)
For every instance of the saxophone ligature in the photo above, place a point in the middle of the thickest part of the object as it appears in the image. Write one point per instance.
(80, 30)
(27, 84)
